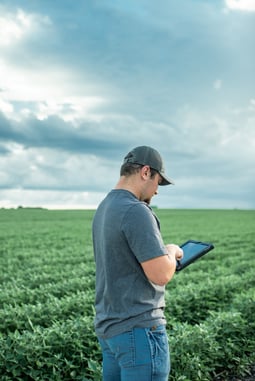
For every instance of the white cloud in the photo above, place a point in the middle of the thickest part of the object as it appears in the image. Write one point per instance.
(69, 109)
(242, 5)
(13, 27)
(49, 91)
(26, 85)
(52, 89)
(17, 25)
(6, 107)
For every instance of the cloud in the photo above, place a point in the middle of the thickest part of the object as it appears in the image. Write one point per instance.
(50, 85)
(33, 67)
(14, 26)
(19, 27)
(55, 133)
(6, 107)
(242, 5)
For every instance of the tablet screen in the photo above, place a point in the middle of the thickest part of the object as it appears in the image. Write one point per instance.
(192, 250)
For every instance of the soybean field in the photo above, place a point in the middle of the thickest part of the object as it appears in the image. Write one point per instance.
(47, 277)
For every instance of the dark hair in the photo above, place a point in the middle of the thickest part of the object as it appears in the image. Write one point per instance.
(128, 169)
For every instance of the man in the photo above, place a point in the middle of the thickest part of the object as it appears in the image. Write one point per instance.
(133, 265)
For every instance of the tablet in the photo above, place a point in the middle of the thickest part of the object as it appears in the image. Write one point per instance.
(192, 250)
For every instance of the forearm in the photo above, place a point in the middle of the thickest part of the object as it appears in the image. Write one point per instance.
(161, 270)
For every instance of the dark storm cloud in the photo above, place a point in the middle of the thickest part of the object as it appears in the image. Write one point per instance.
(54, 133)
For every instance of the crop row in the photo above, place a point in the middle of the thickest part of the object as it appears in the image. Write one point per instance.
(19, 295)
(44, 313)
(193, 302)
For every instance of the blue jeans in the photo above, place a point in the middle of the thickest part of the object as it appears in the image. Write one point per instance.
(141, 354)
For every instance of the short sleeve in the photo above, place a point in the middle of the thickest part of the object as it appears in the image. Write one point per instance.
(141, 230)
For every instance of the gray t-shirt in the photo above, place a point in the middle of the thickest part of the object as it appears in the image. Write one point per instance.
(125, 233)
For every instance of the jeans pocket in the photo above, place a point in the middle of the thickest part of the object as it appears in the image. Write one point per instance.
(160, 350)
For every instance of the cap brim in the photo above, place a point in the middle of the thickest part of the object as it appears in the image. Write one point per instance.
(166, 180)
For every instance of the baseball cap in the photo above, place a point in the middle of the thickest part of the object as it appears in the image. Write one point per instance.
(145, 155)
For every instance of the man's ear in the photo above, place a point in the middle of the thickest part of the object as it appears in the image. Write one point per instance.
(145, 172)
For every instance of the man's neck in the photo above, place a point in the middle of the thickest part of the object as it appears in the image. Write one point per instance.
(130, 184)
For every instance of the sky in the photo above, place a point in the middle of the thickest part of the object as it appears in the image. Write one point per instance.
(83, 82)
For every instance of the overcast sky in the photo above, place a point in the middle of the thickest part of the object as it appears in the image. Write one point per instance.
(82, 82)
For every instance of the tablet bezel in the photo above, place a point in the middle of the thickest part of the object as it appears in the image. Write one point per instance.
(180, 265)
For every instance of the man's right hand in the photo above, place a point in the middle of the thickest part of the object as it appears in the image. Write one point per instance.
(174, 250)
